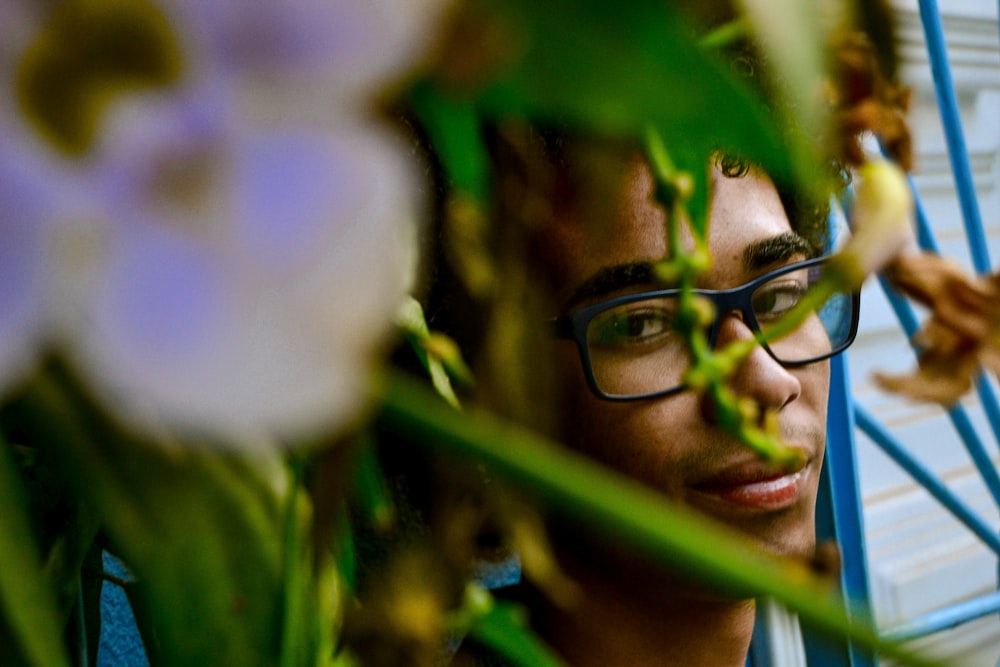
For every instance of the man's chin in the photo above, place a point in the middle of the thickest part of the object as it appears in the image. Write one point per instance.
(788, 544)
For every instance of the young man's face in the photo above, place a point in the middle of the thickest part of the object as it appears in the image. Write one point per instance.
(668, 442)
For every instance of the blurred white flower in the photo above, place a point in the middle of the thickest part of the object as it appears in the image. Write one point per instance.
(26, 203)
(342, 50)
(252, 272)
(248, 231)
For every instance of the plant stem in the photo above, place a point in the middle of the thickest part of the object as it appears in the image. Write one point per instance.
(725, 34)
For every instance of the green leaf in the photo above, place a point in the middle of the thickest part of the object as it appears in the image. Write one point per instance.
(410, 318)
(201, 529)
(625, 510)
(26, 599)
(614, 69)
(502, 628)
(452, 125)
(373, 496)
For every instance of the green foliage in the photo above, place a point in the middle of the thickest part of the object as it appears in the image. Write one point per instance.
(233, 564)
(452, 125)
(606, 68)
(504, 629)
(202, 530)
(629, 512)
(27, 603)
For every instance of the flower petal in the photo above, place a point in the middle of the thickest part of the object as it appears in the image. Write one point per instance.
(351, 46)
(26, 205)
(962, 332)
(254, 271)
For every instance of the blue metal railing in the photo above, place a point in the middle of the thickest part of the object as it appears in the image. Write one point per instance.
(847, 526)
(927, 479)
(839, 517)
(957, 414)
(944, 89)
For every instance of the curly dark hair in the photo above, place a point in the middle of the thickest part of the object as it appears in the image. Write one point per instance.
(809, 217)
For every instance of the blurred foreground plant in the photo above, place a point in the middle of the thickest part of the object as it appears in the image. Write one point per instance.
(196, 198)
(206, 235)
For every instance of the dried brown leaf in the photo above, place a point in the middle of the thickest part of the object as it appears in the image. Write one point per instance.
(962, 333)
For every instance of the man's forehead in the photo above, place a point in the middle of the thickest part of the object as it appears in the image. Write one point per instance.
(757, 256)
(615, 249)
(628, 227)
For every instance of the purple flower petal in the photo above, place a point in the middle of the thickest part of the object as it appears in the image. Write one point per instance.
(27, 213)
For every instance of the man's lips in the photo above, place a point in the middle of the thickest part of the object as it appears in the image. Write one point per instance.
(755, 485)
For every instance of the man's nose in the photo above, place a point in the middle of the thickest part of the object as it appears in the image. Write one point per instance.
(759, 376)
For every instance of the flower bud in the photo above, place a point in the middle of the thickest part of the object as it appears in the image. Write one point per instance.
(667, 272)
(443, 348)
(882, 214)
(700, 260)
(704, 312)
(683, 184)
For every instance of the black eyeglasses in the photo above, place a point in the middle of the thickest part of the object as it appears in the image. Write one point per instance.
(631, 349)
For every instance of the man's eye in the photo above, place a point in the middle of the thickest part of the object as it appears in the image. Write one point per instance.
(774, 300)
(630, 327)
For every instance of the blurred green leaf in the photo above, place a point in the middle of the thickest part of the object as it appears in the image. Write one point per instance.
(372, 491)
(410, 318)
(66, 554)
(201, 529)
(502, 628)
(793, 36)
(626, 510)
(618, 68)
(26, 598)
(344, 558)
(315, 582)
(453, 128)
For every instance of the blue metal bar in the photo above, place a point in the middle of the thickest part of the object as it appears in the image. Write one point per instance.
(944, 619)
(944, 89)
(958, 155)
(991, 403)
(956, 413)
(925, 237)
(888, 444)
(839, 517)
(901, 307)
(960, 419)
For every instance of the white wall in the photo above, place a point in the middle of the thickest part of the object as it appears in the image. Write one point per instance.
(920, 557)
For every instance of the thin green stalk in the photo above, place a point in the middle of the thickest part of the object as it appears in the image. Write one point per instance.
(27, 603)
(726, 34)
(625, 510)
(294, 577)
(711, 369)
(670, 195)
(806, 307)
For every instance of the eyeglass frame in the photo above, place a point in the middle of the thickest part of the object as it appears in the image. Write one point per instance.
(573, 326)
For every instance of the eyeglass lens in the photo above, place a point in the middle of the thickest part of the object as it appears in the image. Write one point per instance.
(635, 349)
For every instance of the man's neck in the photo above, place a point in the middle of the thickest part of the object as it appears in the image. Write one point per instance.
(637, 621)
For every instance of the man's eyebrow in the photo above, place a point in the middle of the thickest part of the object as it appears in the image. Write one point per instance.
(756, 256)
(762, 254)
(610, 279)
